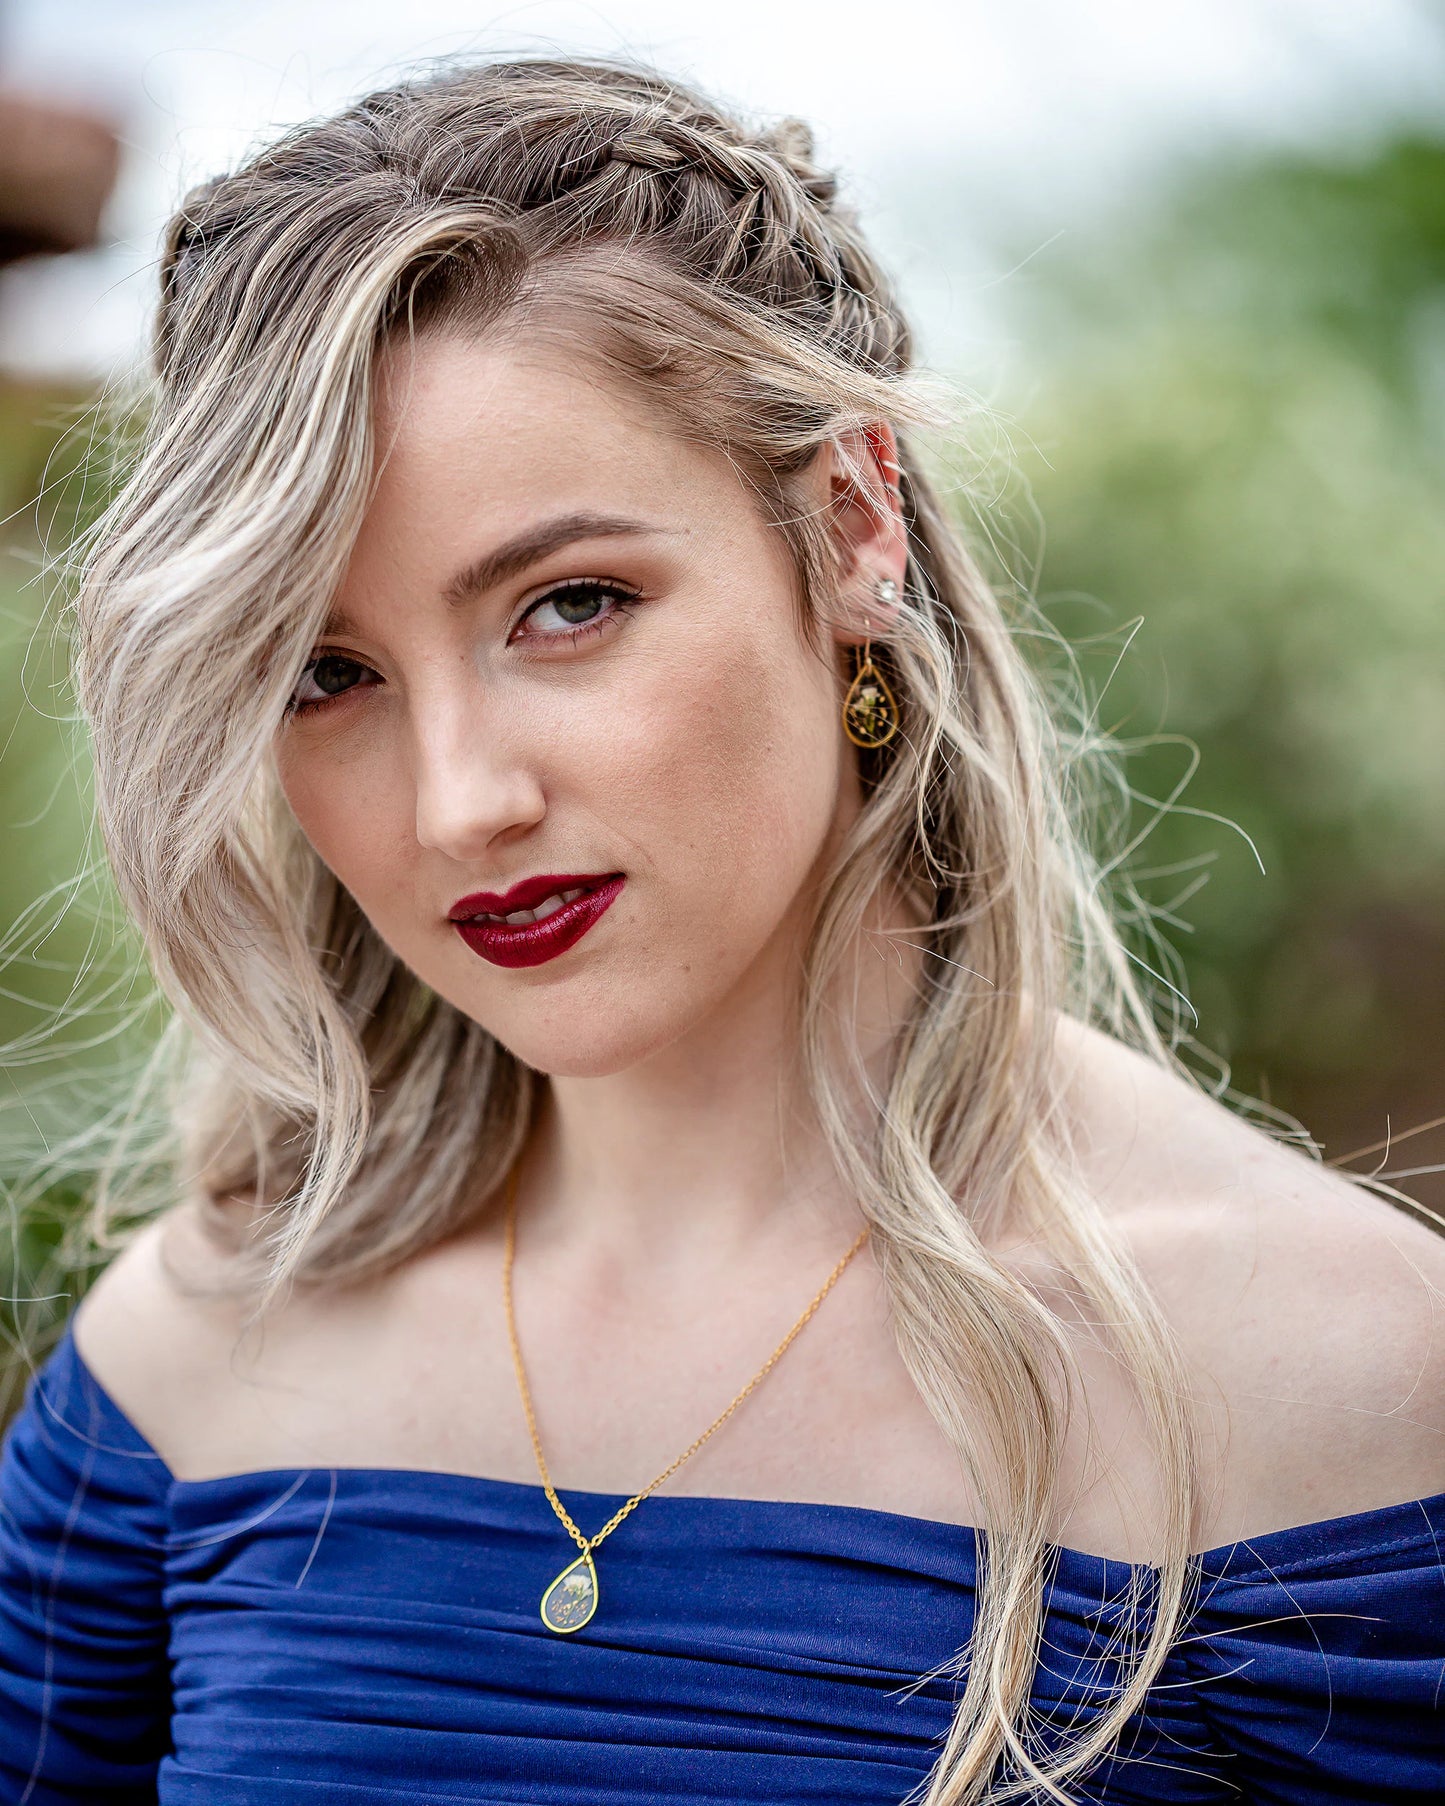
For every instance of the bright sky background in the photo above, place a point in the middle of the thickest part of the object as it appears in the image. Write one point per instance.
(946, 116)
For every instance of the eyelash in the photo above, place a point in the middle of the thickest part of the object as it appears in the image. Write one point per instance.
(622, 597)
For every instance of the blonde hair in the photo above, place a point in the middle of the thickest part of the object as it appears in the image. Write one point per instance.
(713, 267)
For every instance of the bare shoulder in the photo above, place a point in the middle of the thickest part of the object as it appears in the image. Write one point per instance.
(329, 1376)
(211, 1391)
(1307, 1308)
(154, 1341)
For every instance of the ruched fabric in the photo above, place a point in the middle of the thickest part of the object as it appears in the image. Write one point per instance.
(349, 1637)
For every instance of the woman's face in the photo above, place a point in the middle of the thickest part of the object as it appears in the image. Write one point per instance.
(566, 661)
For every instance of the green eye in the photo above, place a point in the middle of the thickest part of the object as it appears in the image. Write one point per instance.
(575, 606)
(575, 609)
(329, 675)
(333, 675)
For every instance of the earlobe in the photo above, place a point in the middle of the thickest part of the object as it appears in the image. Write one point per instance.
(871, 536)
(868, 604)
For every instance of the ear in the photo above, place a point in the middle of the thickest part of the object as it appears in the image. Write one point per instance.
(870, 537)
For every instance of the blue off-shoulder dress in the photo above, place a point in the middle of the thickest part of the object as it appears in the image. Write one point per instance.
(358, 1636)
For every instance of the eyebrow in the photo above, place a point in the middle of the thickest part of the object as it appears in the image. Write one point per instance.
(526, 548)
(517, 553)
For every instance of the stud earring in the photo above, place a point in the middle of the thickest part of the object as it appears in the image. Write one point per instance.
(870, 713)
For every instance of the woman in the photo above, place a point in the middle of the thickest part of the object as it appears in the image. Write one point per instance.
(652, 1022)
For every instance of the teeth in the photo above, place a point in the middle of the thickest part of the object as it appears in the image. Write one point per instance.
(520, 918)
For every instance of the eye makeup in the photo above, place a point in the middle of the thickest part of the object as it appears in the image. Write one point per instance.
(574, 611)
(569, 604)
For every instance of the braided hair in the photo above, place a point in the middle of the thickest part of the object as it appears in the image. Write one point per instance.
(568, 155)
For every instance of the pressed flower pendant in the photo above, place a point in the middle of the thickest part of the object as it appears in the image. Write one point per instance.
(870, 714)
(571, 1599)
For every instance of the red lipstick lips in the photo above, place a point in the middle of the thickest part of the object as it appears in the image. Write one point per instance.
(548, 915)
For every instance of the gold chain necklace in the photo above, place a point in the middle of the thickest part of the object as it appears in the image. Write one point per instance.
(571, 1599)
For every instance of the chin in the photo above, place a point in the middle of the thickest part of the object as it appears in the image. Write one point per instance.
(581, 1031)
(590, 1046)
(616, 1013)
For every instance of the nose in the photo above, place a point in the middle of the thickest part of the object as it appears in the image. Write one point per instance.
(473, 787)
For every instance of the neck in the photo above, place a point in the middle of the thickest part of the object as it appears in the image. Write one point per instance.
(713, 1142)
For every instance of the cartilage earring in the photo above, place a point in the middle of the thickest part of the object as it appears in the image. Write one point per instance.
(870, 714)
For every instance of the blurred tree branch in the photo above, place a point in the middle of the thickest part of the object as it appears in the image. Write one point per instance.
(58, 165)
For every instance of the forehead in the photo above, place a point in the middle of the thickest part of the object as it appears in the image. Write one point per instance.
(511, 408)
(501, 428)
(477, 438)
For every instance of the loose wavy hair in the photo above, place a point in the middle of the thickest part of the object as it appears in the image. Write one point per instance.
(359, 1118)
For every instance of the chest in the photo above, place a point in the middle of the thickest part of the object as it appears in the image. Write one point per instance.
(420, 1375)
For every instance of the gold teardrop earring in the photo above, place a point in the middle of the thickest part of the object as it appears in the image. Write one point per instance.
(870, 713)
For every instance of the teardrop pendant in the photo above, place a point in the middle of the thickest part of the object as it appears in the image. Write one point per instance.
(870, 715)
(572, 1597)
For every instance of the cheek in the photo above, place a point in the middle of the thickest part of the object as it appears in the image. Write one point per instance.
(360, 845)
(742, 769)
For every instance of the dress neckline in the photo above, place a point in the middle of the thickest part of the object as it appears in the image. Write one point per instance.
(1323, 1542)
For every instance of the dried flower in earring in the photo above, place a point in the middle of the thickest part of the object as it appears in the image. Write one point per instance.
(870, 712)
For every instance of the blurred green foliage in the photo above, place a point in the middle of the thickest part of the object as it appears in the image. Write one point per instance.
(1235, 445)
(71, 988)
